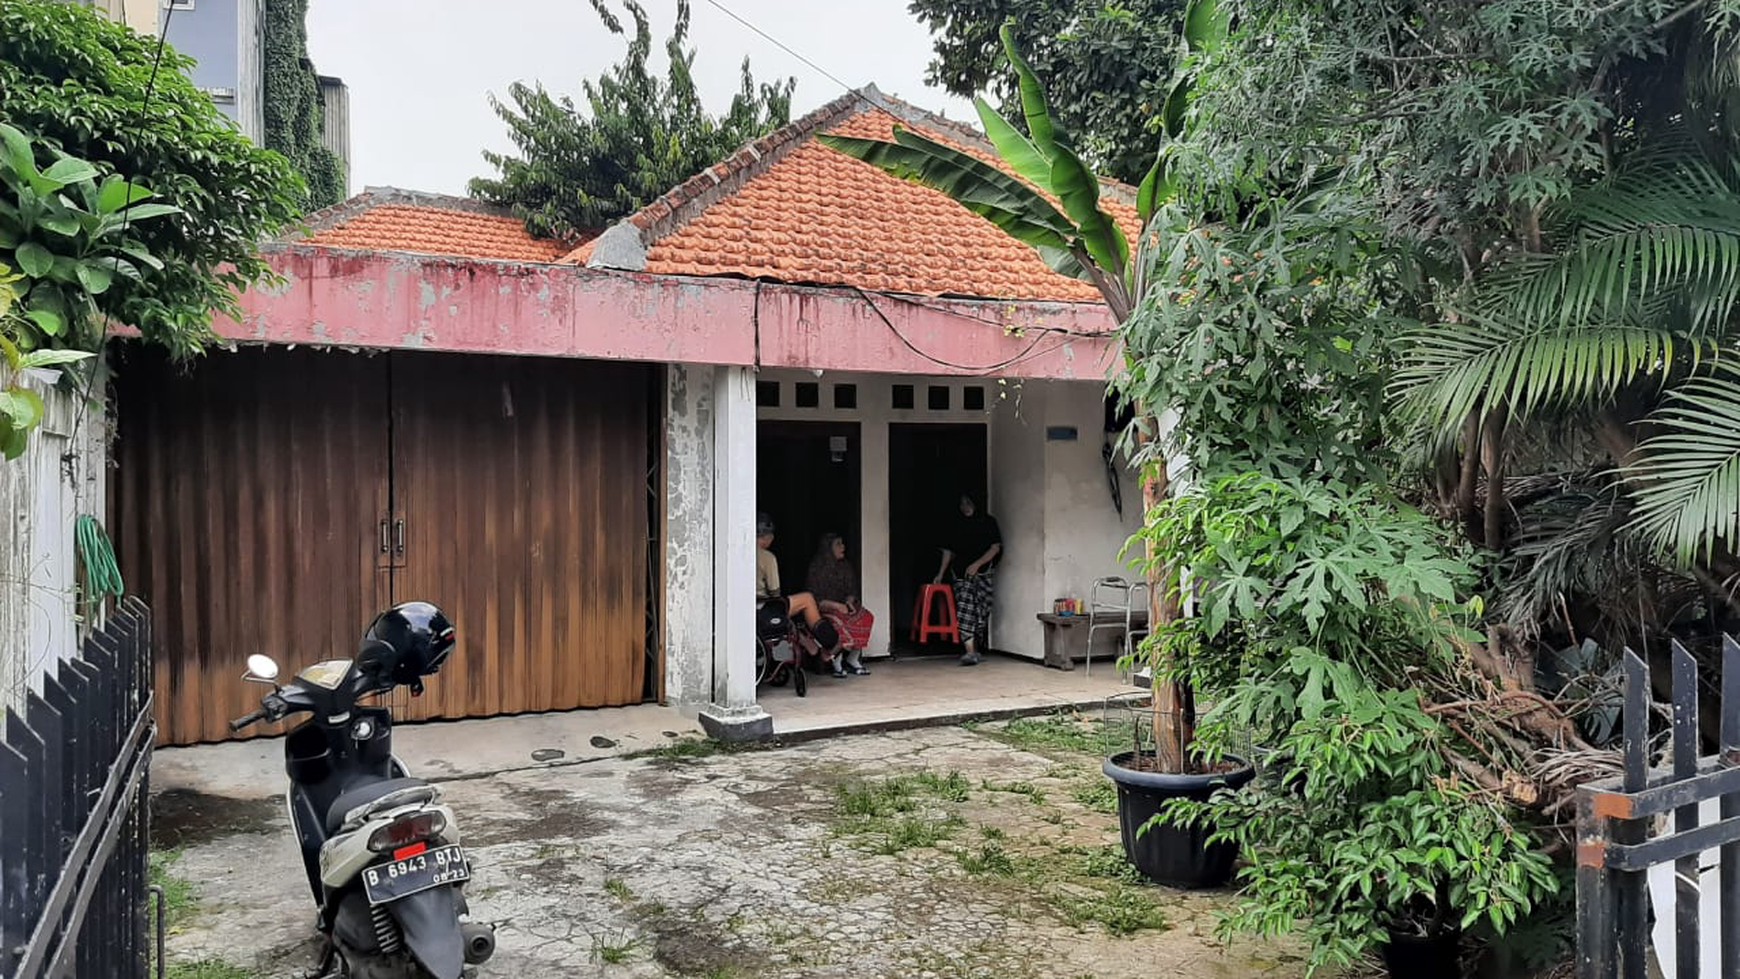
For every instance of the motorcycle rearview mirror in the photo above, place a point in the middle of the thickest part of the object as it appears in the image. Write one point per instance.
(262, 669)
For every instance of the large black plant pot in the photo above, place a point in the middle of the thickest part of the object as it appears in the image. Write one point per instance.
(1413, 957)
(1167, 854)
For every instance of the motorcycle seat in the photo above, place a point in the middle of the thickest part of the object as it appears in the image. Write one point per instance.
(363, 795)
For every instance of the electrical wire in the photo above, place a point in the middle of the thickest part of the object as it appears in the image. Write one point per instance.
(1000, 324)
(776, 42)
(968, 368)
(126, 221)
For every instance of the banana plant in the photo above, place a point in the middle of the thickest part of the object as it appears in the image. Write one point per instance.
(1049, 198)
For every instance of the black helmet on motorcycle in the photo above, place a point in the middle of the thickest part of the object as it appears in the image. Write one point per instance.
(419, 637)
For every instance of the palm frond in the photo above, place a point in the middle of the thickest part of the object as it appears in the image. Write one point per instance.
(1453, 369)
(1570, 548)
(1648, 279)
(1659, 226)
(1687, 477)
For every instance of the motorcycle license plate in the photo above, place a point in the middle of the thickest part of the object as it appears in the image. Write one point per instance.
(436, 867)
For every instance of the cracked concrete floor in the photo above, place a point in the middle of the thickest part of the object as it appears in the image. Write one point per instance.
(732, 865)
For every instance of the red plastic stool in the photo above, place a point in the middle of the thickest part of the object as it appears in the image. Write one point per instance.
(947, 627)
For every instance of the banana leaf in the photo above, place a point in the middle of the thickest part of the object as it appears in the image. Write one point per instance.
(1039, 125)
(1079, 190)
(1016, 150)
(1008, 203)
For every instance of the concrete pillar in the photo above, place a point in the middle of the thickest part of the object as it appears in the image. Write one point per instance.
(874, 547)
(734, 715)
(689, 535)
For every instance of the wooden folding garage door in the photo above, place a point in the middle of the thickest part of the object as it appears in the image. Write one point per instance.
(523, 487)
(273, 501)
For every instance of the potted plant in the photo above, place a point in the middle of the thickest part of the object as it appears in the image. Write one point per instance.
(1324, 613)
(1377, 850)
(1166, 852)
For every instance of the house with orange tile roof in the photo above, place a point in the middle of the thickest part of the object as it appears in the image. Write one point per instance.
(567, 443)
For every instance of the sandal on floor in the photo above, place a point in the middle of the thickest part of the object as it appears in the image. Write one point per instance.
(858, 670)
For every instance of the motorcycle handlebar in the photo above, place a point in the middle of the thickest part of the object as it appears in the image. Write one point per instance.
(245, 720)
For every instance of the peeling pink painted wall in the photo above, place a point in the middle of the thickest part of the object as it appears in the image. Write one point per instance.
(419, 302)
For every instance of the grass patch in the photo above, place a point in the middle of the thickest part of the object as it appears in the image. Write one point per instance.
(699, 749)
(178, 901)
(207, 969)
(989, 859)
(1099, 796)
(618, 888)
(615, 948)
(892, 815)
(1034, 793)
(1121, 910)
(1107, 863)
(899, 794)
(179, 905)
(1069, 731)
(688, 749)
(1082, 886)
(910, 832)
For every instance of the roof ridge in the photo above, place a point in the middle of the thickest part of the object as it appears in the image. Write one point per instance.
(352, 208)
(624, 244)
(921, 117)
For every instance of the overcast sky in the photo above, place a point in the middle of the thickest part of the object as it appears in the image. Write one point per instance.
(420, 71)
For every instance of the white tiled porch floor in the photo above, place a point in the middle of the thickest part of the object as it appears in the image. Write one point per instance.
(914, 690)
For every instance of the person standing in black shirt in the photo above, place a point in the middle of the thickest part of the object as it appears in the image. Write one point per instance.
(978, 541)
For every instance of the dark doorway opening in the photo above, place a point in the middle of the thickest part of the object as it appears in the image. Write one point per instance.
(808, 478)
(929, 466)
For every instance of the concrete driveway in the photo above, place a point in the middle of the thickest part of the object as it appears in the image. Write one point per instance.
(941, 853)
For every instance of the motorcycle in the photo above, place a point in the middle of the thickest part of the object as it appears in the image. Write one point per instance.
(381, 852)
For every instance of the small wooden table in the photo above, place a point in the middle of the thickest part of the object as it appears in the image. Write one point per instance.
(1066, 636)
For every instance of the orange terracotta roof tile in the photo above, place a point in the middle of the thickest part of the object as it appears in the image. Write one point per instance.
(813, 215)
(417, 223)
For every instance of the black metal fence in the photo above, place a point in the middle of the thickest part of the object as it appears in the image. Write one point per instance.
(1621, 833)
(73, 813)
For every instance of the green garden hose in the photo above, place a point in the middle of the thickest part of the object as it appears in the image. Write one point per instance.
(102, 575)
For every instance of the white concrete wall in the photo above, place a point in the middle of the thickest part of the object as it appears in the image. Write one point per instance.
(1018, 478)
(1054, 502)
(42, 494)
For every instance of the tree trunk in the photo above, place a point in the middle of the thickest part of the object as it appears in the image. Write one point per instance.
(1492, 458)
(1174, 718)
(1466, 507)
